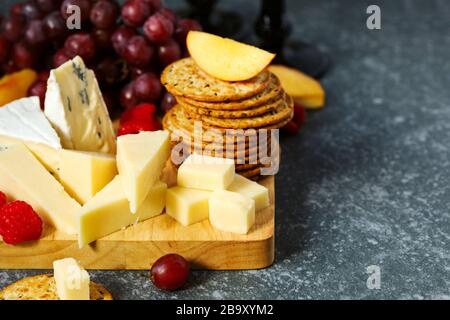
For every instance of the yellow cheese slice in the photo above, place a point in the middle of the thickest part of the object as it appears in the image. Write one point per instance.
(140, 160)
(251, 189)
(231, 211)
(207, 173)
(187, 206)
(109, 211)
(82, 174)
(72, 281)
(23, 177)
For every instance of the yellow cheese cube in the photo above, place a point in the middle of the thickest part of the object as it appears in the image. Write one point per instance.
(251, 189)
(109, 211)
(72, 281)
(231, 211)
(23, 177)
(187, 206)
(140, 160)
(207, 173)
(82, 174)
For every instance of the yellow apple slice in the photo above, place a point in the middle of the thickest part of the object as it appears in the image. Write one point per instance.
(301, 87)
(226, 59)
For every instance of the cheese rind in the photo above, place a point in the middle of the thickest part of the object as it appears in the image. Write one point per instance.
(251, 189)
(140, 160)
(23, 119)
(187, 206)
(231, 211)
(72, 281)
(75, 107)
(23, 177)
(109, 211)
(205, 172)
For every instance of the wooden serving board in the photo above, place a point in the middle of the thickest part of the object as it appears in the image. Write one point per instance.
(137, 247)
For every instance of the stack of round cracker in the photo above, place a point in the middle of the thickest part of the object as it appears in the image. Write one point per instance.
(226, 119)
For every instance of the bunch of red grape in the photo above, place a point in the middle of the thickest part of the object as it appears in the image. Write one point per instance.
(127, 46)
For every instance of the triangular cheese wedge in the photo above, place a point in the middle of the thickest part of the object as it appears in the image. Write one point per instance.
(23, 119)
(75, 107)
(140, 160)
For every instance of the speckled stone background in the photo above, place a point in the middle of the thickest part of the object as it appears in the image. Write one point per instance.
(367, 180)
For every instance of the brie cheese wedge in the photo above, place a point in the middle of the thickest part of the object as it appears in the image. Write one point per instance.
(76, 109)
(23, 119)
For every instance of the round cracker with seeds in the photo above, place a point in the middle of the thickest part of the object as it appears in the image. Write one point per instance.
(184, 78)
(43, 287)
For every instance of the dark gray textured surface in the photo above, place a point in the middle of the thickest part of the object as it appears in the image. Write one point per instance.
(366, 182)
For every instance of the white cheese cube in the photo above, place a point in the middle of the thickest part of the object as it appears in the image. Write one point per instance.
(231, 211)
(187, 206)
(251, 189)
(207, 173)
(72, 281)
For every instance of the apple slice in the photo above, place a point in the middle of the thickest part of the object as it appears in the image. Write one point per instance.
(226, 59)
(301, 87)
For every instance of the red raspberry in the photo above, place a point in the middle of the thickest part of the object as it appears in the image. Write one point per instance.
(138, 125)
(2, 199)
(19, 223)
(299, 114)
(143, 111)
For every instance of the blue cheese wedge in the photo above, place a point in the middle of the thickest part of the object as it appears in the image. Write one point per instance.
(24, 120)
(76, 109)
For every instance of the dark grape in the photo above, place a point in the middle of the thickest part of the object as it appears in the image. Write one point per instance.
(170, 272)
(22, 56)
(13, 28)
(81, 44)
(183, 28)
(84, 5)
(60, 57)
(158, 28)
(54, 25)
(138, 51)
(102, 38)
(169, 14)
(135, 12)
(155, 4)
(31, 11)
(47, 5)
(38, 89)
(111, 70)
(127, 97)
(35, 34)
(168, 52)
(168, 101)
(43, 75)
(9, 67)
(147, 87)
(121, 37)
(136, 71)
(104, 14)
(16, 10)
(5, 47)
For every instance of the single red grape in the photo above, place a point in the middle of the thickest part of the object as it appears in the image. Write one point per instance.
(35, 34)
(84, 5)
(168, 101)
(22, 56)
(43, 76)
(135, 12)
(104, 14)
(138, 52)
(61, 56)
(16, 10)
(54, 25)
(137, 71)
(168, 52)
(170, 272)
(111, 70)
(127, 97)
(13, 28)
(47, 5)
(169, 14)
(31, 11)
(147, 87)
(183, 28)
(5, 48)
(38, 89)
(102, 38)
(121, 37)
(81, 44)
(158, 28)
